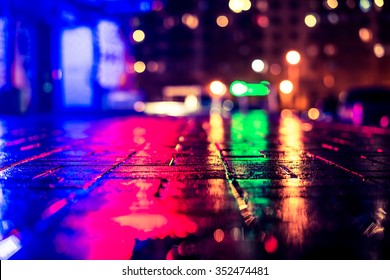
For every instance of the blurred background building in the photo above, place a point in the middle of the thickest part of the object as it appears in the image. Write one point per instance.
(102, 55)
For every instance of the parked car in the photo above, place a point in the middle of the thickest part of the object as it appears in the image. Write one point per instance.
(365, 106)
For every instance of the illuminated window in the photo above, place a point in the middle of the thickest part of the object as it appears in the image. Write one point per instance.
(112, 54)
(77, 62)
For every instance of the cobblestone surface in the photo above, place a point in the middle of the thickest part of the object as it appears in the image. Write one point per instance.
(246, 186)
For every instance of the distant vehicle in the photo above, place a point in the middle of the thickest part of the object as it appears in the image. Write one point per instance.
(365, 106)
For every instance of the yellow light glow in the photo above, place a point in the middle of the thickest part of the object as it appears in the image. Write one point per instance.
(222, 21)
(191, 21)
(286, 113)
(331, 4)
(311, 20)
(191, 102)
(169, 108)
(139, 67)
(237, 6)
(379, 50)
(365, 34)
(138, 36)
(313, 114)
(293, 57)
(379, 3)
(294, 207)
(247, 5)
(286, 87)
(218, 88)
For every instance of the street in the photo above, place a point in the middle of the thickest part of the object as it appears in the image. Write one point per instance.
(244, 186)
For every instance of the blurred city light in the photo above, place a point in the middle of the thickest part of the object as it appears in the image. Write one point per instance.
(218, 88)
(77, 63)
(238, 88)
(139, 67)
(138, 36)
(379, 50)
(311, 20)
(365, 5)
(222, 21)
(258, 65)
(286, 86)
(331, 4)
(190, 20)
(191, 103)
(238, 6)
(365, 34)
(379, 3)
(333, 18)
(313, 114)
(263, 21)
(293, 57)
(241, 88)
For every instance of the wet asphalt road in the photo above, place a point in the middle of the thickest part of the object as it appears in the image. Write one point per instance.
(248, 186)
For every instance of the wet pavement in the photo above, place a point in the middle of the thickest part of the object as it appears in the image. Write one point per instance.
(245, 186)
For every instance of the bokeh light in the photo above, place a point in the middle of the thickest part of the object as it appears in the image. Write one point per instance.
(262, 21)
(333, 18)
(293, 57)
(219, 235)
(218, 88)
(228, 105)
(313, 114)
(379, 3)
(271, 244)
(275, 69)
(384, 121)
(152, 66)
(238, 88)
(238, 6)
(139, 67)
(286, 86)
(379, 50)
(330, 49)
(311, 20)
(365, 34)
(258, 65)
(190, 20)
(139, 106)
(329, 81)
(138, 36)
(365, 5)
(222, 21)
(331, 4)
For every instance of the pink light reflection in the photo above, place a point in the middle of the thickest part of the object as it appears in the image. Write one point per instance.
(107, 224)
